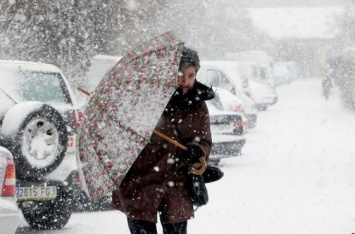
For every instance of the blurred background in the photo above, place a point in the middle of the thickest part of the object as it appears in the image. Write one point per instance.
(69, 33)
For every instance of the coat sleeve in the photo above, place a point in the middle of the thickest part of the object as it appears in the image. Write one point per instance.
(205, 130)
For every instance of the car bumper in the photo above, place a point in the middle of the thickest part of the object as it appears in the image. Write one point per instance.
(9, 215)
(69, 189)
(224, 146)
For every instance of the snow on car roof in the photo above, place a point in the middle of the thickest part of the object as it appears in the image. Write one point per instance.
(213, 111)
(30, 66)
(228, 67)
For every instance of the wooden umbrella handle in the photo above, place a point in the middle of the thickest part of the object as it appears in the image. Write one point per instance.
(191, 169)
(162, 135)
(201, 170)
(84, 91)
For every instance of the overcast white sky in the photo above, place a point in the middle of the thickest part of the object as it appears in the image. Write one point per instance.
(297, 22)
(292, 3)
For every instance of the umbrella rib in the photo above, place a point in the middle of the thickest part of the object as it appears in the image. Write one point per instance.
(130, 130)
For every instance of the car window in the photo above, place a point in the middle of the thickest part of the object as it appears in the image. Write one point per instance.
(225, 83)
(255, 71)
(216, 103)
(34, 86)
(262, 73)
(213, 78)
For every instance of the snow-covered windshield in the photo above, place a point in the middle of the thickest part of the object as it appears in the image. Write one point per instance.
(33, 86)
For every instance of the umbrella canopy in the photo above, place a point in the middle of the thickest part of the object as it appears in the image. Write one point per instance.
(123, 111)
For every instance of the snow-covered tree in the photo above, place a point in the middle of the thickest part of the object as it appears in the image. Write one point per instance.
(54, 32)
(68, 33)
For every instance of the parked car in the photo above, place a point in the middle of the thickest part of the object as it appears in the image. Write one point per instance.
(223, 74)
(281, 73)
(38, 122)
(254, 65)
(224, 122)
(250, 109)
(225, 146)
(285, 72)
(9, 213)
(230, 102)
(263, 95)
(226, 141)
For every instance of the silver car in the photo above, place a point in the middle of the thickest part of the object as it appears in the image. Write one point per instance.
(38, 121)
(9, 213)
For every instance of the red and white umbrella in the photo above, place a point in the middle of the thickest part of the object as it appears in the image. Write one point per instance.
(123, 112)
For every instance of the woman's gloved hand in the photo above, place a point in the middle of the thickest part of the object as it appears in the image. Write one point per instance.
(194, 152)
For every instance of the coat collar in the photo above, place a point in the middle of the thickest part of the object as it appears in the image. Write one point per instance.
(191, 98)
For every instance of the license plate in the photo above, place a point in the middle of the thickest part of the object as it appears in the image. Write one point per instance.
(36, 193)
(222, 127)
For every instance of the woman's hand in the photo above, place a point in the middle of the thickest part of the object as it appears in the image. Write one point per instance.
(194, 152)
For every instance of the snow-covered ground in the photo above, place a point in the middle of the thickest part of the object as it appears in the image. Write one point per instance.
(296, 175)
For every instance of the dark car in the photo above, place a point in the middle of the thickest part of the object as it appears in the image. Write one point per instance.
(38, 123)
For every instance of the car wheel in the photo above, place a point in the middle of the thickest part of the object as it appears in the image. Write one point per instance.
(40, 143)
(83, 203)
(52, 214)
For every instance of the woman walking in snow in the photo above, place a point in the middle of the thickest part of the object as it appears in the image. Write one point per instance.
(156, 184)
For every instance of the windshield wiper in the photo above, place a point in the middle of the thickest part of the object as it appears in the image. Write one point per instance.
(8, 95)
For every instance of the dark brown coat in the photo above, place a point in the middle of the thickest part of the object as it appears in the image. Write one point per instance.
(156, 181)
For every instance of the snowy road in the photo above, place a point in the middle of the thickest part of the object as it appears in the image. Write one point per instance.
(296, 175)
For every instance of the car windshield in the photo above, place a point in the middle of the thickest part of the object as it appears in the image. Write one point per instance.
(33, 86)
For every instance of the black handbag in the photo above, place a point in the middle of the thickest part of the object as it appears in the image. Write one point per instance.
(196, 183)
(197, 187)
(212, 174)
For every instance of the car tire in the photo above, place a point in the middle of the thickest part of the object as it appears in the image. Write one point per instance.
(44, 215)
(40, 143)
(83, 203)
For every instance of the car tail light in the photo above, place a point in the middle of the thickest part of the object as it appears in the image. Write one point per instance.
(9, 186)
(238, 127)
(239, 109)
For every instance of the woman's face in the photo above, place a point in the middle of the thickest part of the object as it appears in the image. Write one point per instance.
(186, 78)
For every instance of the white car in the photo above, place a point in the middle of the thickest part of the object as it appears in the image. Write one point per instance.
(225, 146)
(263, 95)
(38, 121)
(223, 76)
(226, 139)
(9, 213)
(224, 122)
(244, 106)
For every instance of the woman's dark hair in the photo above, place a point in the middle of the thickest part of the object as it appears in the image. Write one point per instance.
(189, 58)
